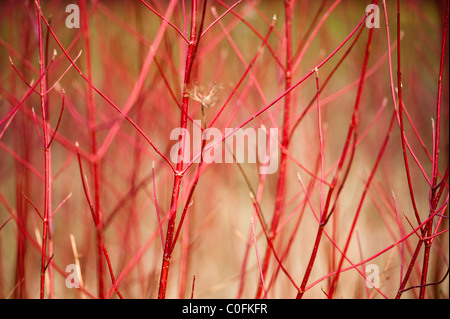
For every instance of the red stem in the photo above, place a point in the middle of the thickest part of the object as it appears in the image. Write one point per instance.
(281, 194)
(259, 35)
(47, 172)
(307, 191)
(95, 164)
(355, 219)
(178, 175)
(433, 198)
(402, 129)
(101, 243)
(355, 122)
(123, 113)
(326, 213)
(354, 266)
(281, 96)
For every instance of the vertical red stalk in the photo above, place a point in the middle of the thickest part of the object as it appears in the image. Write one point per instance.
(184, 258)
(185, 238)
(355, 219)
(326, 213)
(137, 155)
(95, 165)
(356, 120)
(22, 184)
(193, 287)
(178, 175)
(433, 198)
(400, 106)
(419, 245)
(51, 288)
(322, 158)
(47, 168)
(22, 178)
(91, 208)
(298, 222)
(281, 194)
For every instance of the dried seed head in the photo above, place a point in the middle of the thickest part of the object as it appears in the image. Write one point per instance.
(206, 99)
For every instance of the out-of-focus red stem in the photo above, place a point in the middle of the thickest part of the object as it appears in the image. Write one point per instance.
(95, 164)
(106, 98)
